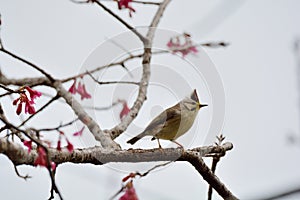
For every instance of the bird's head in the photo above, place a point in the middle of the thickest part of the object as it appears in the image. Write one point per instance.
(194, 101)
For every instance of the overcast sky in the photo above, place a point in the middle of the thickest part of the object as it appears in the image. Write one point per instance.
(258, 70)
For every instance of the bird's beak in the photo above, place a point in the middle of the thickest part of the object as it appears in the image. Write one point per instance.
(202, 105)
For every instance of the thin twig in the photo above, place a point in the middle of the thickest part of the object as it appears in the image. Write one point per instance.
(153, 168)
(215, 161)
(138, 2)
(28, 63)
(101, 108)
(214, 44)
(142, 93)
(112, 82)
(25, 177)
(10, 125)
(281, 195)
(208, 175)
(60, 126)
(53, 183)
(94, 70)
(8, 89)
(79, 2)
(39, 143)
(132, 29)
(121, 62)
(39, 110)
(133, 175)
(147, 2)
(118, 45)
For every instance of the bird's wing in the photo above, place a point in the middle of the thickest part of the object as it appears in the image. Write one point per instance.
(163, 119)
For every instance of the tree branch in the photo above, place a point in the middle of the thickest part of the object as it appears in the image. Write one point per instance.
(28, 63)
(99, 156)
(120, 128)
(132, 29)
(101, 136)
(208, 175)
(39, 110)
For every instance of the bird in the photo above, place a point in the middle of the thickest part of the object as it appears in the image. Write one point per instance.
(173, 122)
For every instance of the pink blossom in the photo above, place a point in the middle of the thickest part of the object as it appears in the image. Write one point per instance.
(19, 109)
(125, 110)
(58, 146)
(29, 107)
(41, 160)
(79, 133)
(28, 144)
(33, 93)
(185, 47)
(70, 146)
(170, 44)
(85, 94)
(81, 90)
(53, 165)
(130, 193)
(131, 175)
(23, 99)
(72, 89)
(126, 4)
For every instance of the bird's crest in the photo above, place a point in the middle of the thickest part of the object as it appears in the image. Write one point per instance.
(194, 96)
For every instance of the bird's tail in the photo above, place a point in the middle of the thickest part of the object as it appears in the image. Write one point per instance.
(133, 140)
(136, 138)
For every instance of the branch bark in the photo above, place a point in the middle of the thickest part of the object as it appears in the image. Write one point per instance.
(99, 156)
(101, 136)
(117, 130)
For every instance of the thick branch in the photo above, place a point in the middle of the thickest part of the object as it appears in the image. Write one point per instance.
(101, 136)
(98, 156)
(116, 131)
(208, 175)
(24, 81)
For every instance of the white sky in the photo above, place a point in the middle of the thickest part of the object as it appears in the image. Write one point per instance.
(258, 71)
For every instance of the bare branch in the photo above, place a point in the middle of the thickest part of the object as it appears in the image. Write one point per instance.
(132, 29)
(208, 175)
(28, 63)
(153, 168)
(39, 110)
(281, 194)
(8, 89)
(215, 161)
(39, 143)
(147, 2)
(112, 82)
(117, 130)
(101, 136)
(25, 177)
(101, 108)
(59, 127)
(98, 156)
(156, 20)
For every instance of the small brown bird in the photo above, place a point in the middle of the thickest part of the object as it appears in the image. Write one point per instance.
(173, 122)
